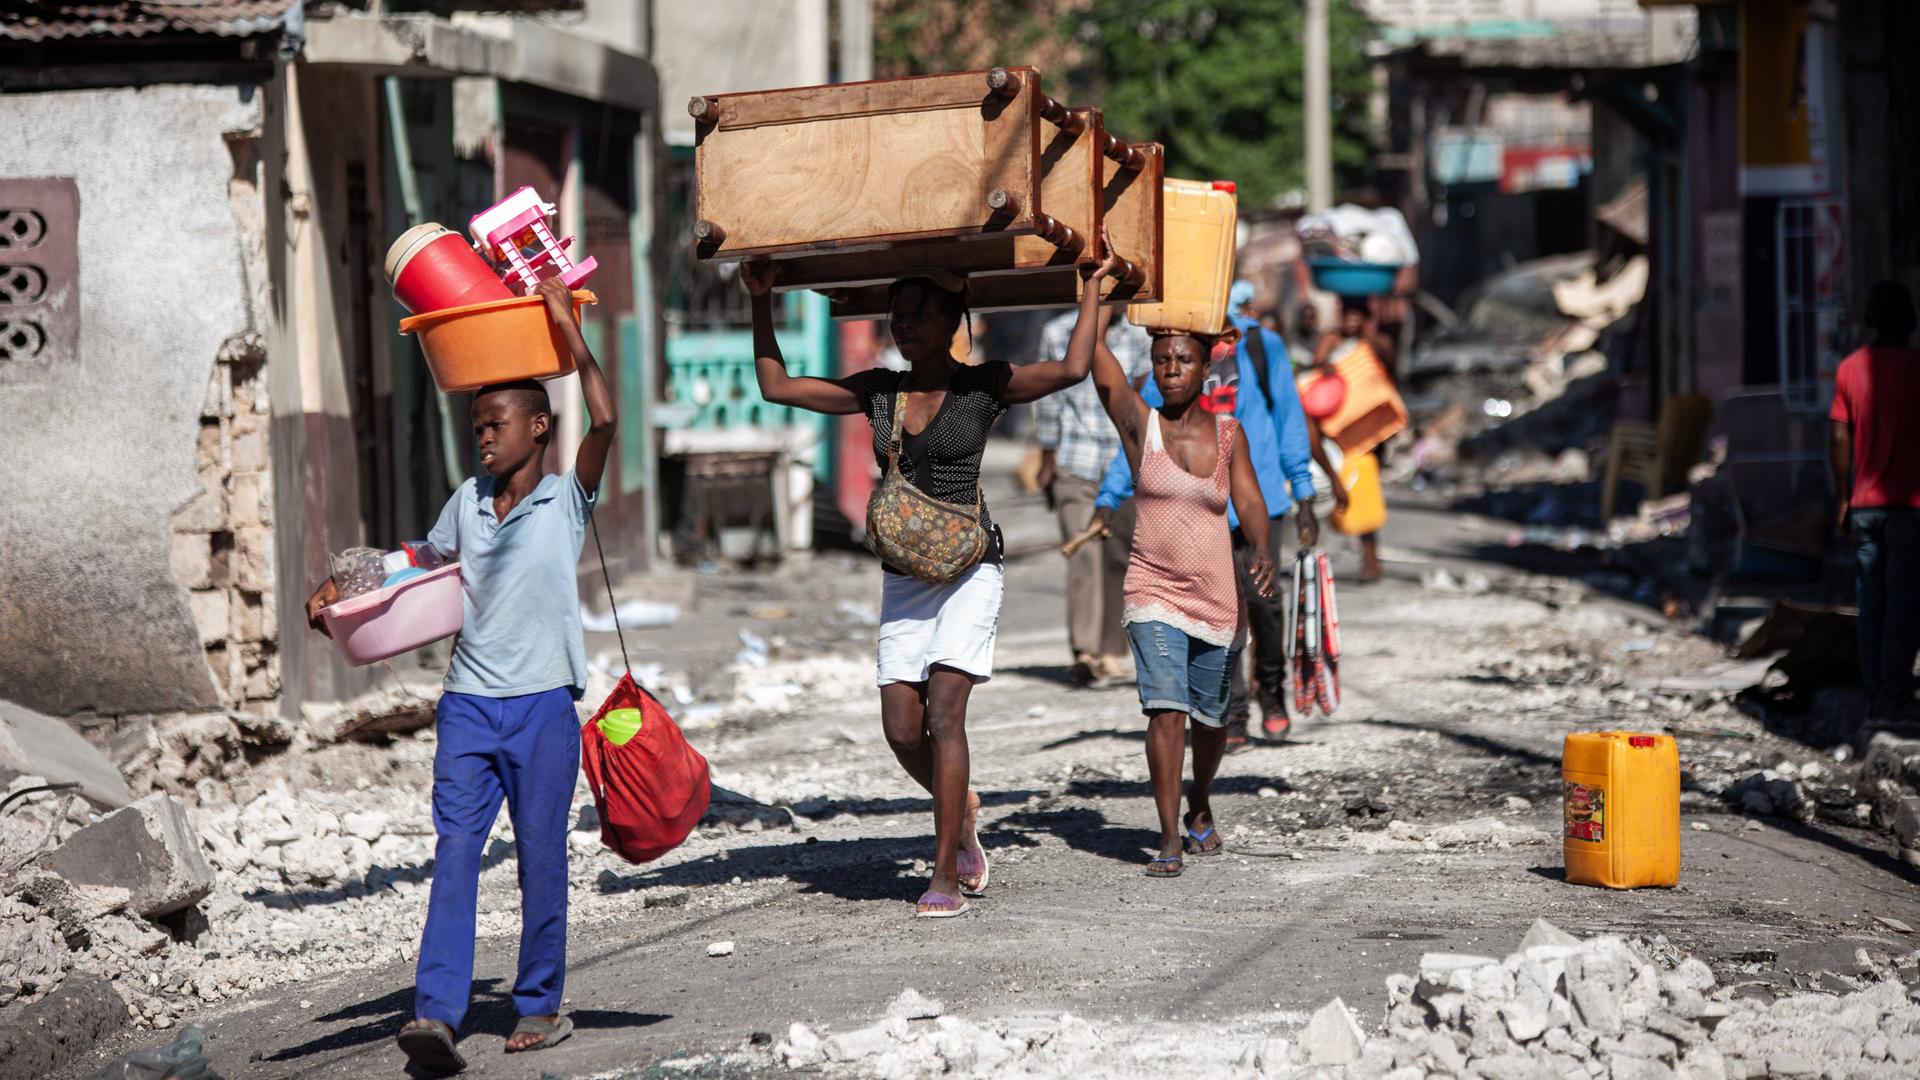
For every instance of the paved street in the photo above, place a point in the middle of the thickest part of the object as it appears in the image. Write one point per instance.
(1422, 818)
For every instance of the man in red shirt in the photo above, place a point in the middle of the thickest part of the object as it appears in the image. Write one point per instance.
(1875, 451)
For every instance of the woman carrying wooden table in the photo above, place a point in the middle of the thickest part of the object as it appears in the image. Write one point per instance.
(936, 640)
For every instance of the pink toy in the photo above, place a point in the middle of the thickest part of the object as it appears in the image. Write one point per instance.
(514, 231)
(398, 618)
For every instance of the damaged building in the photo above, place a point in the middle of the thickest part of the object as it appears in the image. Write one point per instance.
(198, 348)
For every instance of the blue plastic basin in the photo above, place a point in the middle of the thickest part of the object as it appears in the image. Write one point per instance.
(1352, 278)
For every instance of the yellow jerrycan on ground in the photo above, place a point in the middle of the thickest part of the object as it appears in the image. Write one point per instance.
(1199, 220)
(1622, 809)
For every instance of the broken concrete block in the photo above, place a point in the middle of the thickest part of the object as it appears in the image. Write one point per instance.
(910, 1005)
(1332, 1036)
(368, 825)
(867, 1042)
(35, 745)
(33, 954)
(1529, 1014)
(1646, 1044)
(147, 849)
(1594, 984)
(1515, 1066)
(1452, 970)
(1543, 932)
(71, 906)
(802, 1048)
(1634, 1068)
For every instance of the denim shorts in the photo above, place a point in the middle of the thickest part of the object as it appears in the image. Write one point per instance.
(1181, 673)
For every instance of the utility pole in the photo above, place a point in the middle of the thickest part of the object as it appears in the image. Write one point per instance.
(1319, 110)
(856, 40)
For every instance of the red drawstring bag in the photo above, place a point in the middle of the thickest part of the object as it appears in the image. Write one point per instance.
(652, 788)
(650, 791)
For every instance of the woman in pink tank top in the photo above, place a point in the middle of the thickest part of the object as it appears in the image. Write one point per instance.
(1184, 613)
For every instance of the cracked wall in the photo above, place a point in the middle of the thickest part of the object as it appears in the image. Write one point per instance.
(138, 524)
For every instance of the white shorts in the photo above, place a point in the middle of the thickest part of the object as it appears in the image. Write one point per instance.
(951, 625)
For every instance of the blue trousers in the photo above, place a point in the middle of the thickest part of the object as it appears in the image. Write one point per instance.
(525, 750)
(1888, 549)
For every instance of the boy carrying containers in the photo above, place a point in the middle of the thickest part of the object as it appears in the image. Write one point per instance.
(506, 722)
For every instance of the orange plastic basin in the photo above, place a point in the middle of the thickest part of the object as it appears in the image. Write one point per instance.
(498, 341)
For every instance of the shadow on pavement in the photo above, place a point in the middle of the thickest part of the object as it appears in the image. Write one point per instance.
(866, 868)
(1142, 789)
(918, 805)
(1053, 673)
(383, 1016)
(492, 1011)
(1138, 735)
(1086, 829)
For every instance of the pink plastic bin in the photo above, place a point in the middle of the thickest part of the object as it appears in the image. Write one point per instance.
(399, 618)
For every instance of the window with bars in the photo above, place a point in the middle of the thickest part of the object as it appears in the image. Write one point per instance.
(39, 275)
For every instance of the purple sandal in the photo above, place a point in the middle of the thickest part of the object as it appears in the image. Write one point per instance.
(943, 906)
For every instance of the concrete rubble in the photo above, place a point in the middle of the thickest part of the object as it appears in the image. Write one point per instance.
(1604, 1008)
(147, 849)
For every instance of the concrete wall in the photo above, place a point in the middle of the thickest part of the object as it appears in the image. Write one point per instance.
(106, 450)
(728, 46)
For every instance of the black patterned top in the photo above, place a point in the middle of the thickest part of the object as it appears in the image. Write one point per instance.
(943, 459)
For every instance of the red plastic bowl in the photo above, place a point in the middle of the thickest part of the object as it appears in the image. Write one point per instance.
(1323, 396)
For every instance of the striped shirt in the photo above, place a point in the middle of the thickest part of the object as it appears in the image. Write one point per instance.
(1072, 423)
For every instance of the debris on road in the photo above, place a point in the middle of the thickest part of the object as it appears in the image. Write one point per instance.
(1559, 1006)
(720, 948)
(148, 849)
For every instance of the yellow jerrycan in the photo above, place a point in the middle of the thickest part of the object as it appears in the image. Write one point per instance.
(1622, 792)
(1199, 226)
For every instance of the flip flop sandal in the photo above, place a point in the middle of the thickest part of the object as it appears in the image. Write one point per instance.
(1275, 725)
(1196, 841)
(1172, 861)
(549, 1033)
(966, 868)
(946, 907)
(431, 1048)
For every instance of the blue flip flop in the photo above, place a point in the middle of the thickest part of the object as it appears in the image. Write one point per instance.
(1173, 861)
(1196, 843)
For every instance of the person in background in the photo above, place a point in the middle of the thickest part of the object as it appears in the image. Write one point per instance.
(1874, 447)
(1185, 605)
(1077, 440)
(1357, 331)
(1306, 334)
(1253, 382)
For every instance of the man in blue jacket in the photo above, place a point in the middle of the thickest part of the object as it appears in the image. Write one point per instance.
(1269, 412)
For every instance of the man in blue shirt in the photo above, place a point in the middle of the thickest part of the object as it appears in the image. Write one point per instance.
(1269, 413)
(506, 723)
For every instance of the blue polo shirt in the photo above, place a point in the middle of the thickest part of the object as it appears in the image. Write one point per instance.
(522, 630)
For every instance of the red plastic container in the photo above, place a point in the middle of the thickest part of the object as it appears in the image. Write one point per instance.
(431, 268)
(1323, 396)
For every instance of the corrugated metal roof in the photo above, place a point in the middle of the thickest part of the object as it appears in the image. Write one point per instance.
(54, 20)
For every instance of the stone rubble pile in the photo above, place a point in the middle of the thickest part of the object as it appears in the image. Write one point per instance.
(1558, 1008)
(1606, 1007)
